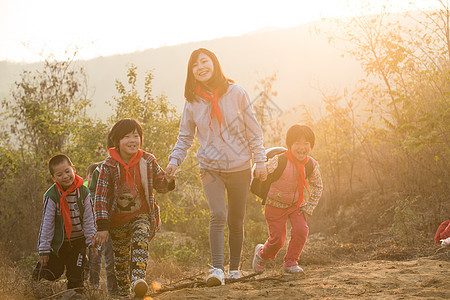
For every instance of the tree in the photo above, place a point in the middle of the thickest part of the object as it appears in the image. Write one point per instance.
(405, 98)
(46, 106)
(157, 115)
(267, 113)
(87, 144)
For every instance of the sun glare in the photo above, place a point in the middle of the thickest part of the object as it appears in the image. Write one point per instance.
(31, 29)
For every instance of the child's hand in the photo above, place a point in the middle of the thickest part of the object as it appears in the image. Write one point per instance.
(43, 260)
(261, 173)
(101, 237)
(94, 251)
(169, 178)
(170, 172)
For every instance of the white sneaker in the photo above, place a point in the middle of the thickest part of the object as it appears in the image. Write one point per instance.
(216, 277)
(446, 242)
(259, 264)
(295, 269)
(236, 274)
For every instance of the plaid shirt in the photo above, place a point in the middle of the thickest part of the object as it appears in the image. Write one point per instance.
(107, 191)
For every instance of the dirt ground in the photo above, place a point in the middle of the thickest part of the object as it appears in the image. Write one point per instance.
(372, 267)
(422, 278)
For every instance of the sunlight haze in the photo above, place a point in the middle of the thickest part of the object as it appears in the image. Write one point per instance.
(33, 30)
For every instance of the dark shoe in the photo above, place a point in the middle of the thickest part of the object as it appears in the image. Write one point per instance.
(140, 288)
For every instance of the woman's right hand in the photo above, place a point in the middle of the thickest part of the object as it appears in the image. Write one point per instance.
(170, 172)
(261, 173)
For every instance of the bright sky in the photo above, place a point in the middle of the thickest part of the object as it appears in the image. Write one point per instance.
(29, 28)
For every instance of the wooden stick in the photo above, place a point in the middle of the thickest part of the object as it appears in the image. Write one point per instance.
(196, 284)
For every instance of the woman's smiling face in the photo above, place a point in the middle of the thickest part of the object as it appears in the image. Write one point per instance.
(203, 68)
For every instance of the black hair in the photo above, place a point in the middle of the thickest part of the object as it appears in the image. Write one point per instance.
(91, 168)
(121, 129)
(295, 132)
(56, 160)
(218, 79)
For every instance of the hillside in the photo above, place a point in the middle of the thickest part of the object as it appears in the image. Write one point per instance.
(303, 60)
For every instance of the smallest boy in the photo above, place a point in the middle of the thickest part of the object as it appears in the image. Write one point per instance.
(67, 226)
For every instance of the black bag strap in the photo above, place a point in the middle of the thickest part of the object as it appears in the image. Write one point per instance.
(261, 189)
(309, 167)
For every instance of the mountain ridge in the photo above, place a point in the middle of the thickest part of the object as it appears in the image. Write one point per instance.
(304, 62)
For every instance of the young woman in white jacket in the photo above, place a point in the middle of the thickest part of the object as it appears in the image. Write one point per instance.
(220, 112)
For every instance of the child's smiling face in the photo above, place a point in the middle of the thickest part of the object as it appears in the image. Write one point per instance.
(301, 148)
(64, 174)
(129, 144)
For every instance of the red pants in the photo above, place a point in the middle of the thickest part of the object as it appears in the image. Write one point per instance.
(276, 219)
(443, 231)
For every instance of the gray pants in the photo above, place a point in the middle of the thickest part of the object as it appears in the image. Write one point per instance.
(236, 184)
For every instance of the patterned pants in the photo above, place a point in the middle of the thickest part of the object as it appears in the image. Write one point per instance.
(130, 246)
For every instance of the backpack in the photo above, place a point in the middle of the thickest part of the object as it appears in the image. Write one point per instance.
(261, 188)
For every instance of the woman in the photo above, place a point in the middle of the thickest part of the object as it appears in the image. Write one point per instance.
(221, 114)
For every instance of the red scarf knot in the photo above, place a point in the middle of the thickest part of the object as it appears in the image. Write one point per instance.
(133, 161)
(215, 109)
(64, 207)
(301, 172)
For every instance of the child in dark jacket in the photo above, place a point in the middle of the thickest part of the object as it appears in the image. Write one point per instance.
(67, 226)
(125, 207)
(96, 262)
(284, 199)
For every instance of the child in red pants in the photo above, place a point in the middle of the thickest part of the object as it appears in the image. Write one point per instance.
(443, 234)
(287, 178)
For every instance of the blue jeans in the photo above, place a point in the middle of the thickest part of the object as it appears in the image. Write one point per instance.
(95, 267)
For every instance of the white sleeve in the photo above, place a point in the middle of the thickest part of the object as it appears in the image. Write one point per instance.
(88, 220)
(47, 230)
(185, 136)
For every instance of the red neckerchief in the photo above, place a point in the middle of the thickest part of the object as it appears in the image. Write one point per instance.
(64, 206)
(215, 110)
(301, 174)
(133, 161)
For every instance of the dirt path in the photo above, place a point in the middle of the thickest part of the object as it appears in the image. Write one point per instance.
(423, 278)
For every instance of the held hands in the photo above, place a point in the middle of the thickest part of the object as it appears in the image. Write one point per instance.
(43, 260)
(101, 237)
(261, 173)
(170, 172)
